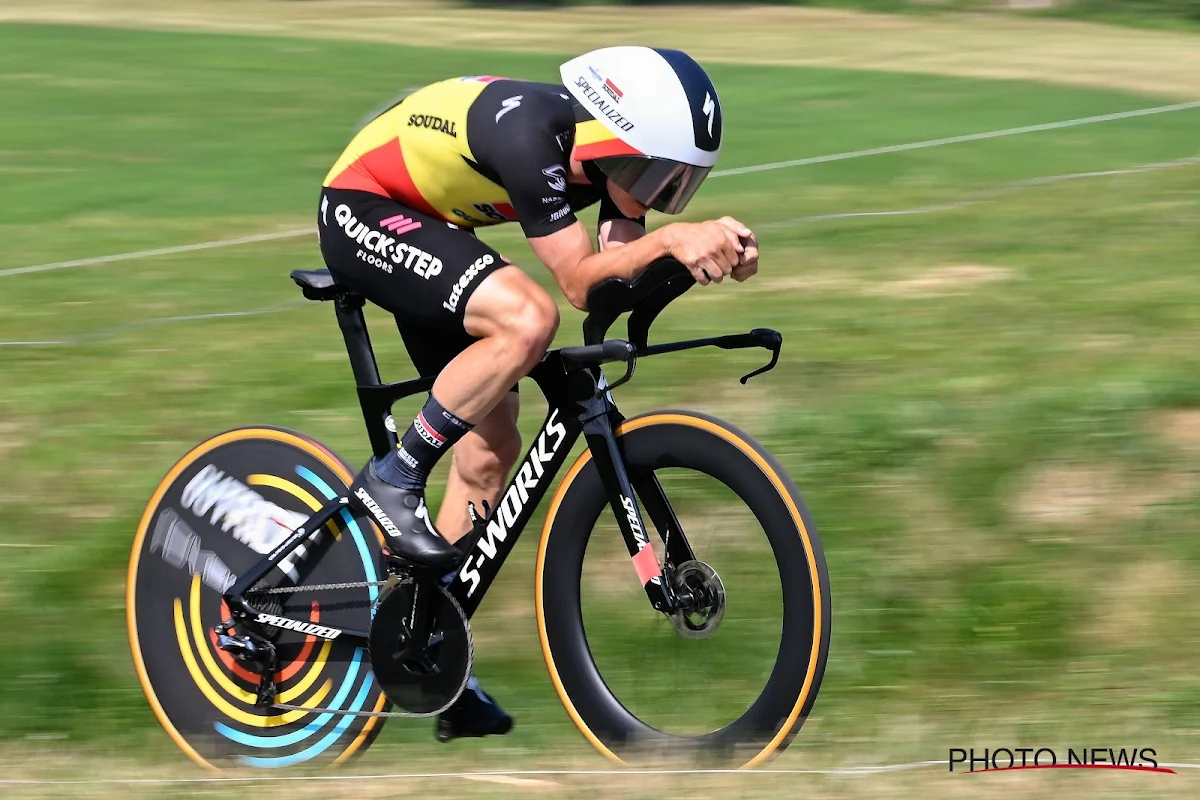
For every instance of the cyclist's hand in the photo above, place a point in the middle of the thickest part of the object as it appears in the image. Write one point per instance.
(749, 263)
(710, 250)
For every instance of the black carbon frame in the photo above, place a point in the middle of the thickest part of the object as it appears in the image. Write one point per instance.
(576, 405)
(579, 402)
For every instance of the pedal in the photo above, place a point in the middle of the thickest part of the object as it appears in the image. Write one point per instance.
(397, 566)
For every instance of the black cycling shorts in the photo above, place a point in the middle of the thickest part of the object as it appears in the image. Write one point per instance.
(419, 268)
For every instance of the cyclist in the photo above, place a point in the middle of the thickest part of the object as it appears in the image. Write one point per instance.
(630, 128)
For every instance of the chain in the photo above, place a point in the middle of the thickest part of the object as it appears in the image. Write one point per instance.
(317, 587)
(382, 714)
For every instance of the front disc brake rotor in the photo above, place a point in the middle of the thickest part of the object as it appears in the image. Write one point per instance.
(432, 679)
(700, 617)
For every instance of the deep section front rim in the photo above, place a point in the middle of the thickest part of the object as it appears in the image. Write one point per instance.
(705, 444)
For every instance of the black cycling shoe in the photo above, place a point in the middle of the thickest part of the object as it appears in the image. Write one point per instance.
(404, 519)
(473, 714)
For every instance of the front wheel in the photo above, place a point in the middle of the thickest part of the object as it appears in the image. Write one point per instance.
(736, 677)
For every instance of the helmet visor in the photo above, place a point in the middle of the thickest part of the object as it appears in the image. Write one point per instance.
(663, 185)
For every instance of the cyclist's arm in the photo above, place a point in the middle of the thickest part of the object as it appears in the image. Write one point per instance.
(614, 232)
(577, 267)
(533, 169)
(525, 147)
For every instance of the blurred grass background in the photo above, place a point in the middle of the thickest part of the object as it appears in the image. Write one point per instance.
(1127, 12)
(993, 410)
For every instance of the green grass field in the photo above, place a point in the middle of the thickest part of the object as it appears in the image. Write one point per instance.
(993, 411)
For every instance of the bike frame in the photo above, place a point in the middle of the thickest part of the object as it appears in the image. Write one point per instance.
(579, 403)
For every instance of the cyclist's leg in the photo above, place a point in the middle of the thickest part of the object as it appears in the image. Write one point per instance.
(481, 459)
(435, 277)
(479, 464)
(514, 320)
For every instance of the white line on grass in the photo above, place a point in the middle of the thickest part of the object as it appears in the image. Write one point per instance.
(800, 162)
(508, 780)
(516, 773)
(983, 195)
(84, 337)
(980, 196)
(970, 137)
(161, 251)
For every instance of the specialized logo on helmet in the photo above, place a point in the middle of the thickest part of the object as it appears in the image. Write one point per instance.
(710, 110)
(603, 106)
(701, 95)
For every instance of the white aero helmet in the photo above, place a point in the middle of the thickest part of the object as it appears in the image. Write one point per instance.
(656, 127)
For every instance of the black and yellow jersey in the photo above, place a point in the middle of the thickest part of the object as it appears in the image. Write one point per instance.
(481, 150)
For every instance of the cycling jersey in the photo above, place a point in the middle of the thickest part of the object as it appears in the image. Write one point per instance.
(480, 151)
(398, 207)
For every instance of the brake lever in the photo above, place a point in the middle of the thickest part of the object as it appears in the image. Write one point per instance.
(770, 340)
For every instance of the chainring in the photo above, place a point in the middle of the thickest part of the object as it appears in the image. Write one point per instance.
(430, 682)
(700, 619)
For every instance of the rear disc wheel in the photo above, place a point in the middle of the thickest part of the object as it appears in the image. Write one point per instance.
(218, 511)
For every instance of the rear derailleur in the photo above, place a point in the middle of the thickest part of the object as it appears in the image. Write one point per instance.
(255, 650)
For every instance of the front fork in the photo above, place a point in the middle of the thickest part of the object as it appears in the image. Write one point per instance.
(655, 577)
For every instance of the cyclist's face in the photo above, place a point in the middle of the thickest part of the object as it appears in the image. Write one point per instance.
(628, 206)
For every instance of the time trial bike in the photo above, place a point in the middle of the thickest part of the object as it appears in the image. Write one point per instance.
(266, 627)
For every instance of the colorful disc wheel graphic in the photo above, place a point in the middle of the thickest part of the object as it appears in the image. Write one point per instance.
(220, 510)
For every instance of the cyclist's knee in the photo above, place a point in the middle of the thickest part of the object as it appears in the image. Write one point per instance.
(509, 304)
(533, 325)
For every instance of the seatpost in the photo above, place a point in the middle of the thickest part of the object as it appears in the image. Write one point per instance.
(358, 343)
(349, 310)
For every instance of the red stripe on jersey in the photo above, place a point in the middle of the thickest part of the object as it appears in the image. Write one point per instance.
(356, 178)
(506, 209)
(383, 168)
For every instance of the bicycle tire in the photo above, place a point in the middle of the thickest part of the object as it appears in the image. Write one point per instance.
(197, 532)
(705, 444)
